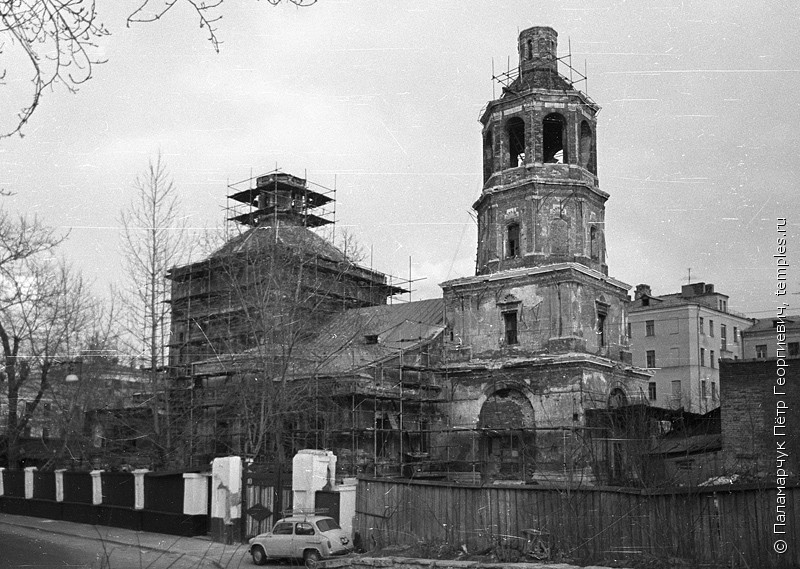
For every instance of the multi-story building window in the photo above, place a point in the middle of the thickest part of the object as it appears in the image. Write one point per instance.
(650, 328)
(703, 391)
(651, 391)
(711, 328)
(676, 390)
(794, 349)
(761, 351)
(651, 358)
(702, 326)
(702, 356)
(735, 335)
(628, 331)
(723, 337)
(713, 364)
(713, 390)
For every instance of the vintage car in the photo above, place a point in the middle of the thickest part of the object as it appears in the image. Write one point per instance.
(307, 537)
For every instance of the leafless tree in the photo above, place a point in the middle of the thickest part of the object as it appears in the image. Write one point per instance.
(59, 39)
(153, 241)
(43, 308)
(269, 293)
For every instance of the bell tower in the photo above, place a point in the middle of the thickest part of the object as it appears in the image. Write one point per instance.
(541, 203)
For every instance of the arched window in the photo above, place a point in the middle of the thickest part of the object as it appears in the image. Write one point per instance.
(587, 148)
(617, 399)
(488, 155)
(529, 47)
(554, 149)
(507, 452)
(515, 128)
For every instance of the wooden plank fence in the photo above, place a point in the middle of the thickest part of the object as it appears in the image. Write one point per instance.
(730, 526)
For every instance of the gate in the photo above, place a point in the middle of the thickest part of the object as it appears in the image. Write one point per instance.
(267, 493)
(327, 504)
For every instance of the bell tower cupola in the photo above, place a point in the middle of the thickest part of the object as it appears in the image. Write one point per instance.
(541, 202)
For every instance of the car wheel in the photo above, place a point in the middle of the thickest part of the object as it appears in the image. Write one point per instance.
(259, 557)
(311, 558)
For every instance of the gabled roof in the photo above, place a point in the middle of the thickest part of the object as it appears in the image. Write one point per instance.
(362, 337)
(350, 342)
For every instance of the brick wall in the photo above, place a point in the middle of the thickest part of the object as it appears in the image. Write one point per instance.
(749, 408)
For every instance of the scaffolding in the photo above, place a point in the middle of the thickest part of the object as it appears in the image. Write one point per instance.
(275, 196)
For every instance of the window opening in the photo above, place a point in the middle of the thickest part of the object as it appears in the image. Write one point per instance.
(651, 391)
(510, 321)
(516, 141)
(512, 248)
(650, 328)
(488, 155)
(553, 148)
(651, 358)
(586, 150)
(602, 314)
(761, 351)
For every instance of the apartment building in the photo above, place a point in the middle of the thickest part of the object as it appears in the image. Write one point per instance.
(682, 337)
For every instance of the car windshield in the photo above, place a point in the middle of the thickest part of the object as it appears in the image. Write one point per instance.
(327, 524)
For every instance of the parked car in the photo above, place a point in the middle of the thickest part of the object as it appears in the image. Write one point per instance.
(306, 537)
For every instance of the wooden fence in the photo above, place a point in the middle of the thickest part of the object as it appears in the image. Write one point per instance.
(729, 526)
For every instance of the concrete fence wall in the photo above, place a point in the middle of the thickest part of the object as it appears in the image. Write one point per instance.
(172, 503)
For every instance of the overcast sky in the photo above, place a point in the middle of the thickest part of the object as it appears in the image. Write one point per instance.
(697, 136)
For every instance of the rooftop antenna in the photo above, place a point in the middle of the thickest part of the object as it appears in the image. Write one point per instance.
(409, 278)
(493, 81)
(569, 47)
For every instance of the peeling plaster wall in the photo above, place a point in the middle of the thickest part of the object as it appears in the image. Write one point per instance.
(558, 393)
(555, 221)
(554, 315)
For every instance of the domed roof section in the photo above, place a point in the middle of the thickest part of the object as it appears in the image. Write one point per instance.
(288, 235)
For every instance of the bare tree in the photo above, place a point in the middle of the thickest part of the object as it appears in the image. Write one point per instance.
(59, 39)
(267, 291)
(43, 308)
(153, 241)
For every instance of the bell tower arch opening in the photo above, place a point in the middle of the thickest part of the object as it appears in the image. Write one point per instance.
(488, 154)
(515, 130)
(554, 133)
(587, 158)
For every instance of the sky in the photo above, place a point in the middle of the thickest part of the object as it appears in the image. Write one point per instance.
(697, 133)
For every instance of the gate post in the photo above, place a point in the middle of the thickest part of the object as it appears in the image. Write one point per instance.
(226, 499)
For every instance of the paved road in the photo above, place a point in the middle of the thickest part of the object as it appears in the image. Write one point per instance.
(24, 547)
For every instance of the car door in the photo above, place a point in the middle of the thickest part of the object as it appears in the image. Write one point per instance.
(279, 543)
(305, 537)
